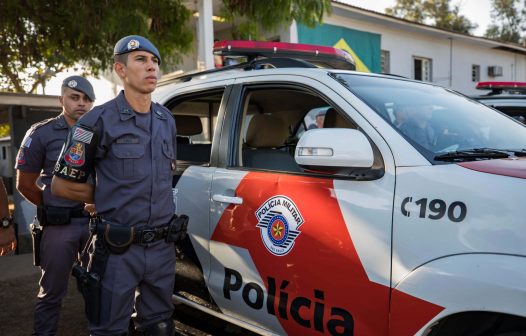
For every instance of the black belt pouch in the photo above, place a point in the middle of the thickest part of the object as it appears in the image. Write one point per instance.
(118, 238)
(57, 216)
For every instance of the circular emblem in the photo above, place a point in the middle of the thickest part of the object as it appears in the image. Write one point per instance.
(72, 83)
(133, 44)
(148, 237)
(278, 229)
(279, 221)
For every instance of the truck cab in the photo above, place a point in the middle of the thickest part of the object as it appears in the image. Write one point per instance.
(401, 215)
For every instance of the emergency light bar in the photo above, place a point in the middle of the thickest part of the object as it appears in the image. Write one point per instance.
(323, 56)
(516, 86)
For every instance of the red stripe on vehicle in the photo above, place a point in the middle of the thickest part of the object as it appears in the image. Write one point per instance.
(323, 266)
(515, 167)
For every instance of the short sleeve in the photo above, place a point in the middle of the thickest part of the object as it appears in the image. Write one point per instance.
(76, 160)
(31, 155)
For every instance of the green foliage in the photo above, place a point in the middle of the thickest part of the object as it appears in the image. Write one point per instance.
(249, 18)
(434, 12)
(508, 21)
(412, 10)
(41, 38)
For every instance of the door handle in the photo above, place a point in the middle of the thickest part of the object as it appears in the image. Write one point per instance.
(227, 199)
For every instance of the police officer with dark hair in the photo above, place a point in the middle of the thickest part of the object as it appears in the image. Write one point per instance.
(64, 223)
(129, 143)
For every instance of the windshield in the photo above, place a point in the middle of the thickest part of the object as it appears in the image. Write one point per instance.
(435, 120)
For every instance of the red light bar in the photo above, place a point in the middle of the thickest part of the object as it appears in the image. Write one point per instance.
(501, 85)
(330, 56)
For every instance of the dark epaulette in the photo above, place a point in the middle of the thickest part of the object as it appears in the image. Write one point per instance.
(90, 118)
(42, 123)
(165, 110)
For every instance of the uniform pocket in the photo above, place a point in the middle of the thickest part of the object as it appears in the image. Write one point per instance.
(168, 160)
(128, 158)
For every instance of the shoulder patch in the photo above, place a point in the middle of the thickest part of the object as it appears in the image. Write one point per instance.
(27, 142)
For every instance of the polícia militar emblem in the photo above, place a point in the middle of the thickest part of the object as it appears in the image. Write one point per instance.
(279, 220)
(133, 44)
(75, 155)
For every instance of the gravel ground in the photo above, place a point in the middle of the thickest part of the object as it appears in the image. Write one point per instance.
(18, 297)
(19, 288)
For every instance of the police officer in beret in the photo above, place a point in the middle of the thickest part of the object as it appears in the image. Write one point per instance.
(64, 223)
(129, 143)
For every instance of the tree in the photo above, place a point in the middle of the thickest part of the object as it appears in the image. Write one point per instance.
(251, 17)
(42, 38)
(434, 12)
(411, 10)
(507, 21)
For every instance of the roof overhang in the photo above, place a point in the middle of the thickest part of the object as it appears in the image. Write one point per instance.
(372, 17)
(27, 99)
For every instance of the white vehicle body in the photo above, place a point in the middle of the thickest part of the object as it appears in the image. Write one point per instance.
(393, 252)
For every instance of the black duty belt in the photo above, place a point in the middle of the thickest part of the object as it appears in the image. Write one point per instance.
(78, 213)
(49, 215)
(118, 234)
(146, 236)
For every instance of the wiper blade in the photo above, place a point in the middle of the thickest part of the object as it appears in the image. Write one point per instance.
(477, 154)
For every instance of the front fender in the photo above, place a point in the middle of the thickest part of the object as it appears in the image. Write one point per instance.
(460, 283)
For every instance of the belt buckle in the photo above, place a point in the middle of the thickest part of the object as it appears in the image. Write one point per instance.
(147, 236)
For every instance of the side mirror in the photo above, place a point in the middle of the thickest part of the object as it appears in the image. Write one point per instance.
(334, 147)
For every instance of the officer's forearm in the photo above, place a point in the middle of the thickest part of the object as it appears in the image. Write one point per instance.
(82, 192)
(26, 184)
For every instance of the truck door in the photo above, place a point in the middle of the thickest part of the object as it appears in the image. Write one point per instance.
(197, 112)
(294, 251)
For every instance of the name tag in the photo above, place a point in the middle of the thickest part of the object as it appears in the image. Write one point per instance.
(128, 140)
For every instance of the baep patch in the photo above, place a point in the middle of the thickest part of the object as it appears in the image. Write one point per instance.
(75, 155)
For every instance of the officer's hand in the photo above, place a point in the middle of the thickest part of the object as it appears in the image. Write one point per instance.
(7, 240)
(90, 207)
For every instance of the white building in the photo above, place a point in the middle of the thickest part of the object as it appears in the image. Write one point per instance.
(383, 43)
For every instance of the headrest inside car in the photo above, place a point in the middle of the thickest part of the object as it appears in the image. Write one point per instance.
(188, 125)
(266, 131)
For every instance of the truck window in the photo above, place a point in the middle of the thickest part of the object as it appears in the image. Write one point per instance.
(273, 121)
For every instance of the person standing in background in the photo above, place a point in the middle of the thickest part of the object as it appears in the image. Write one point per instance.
(64, 222)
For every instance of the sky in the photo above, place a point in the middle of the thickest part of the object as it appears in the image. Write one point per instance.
(477, 11)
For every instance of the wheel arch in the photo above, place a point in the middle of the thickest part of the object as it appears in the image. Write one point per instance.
(478, 282)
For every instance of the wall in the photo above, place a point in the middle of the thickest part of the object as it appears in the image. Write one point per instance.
(403, 45)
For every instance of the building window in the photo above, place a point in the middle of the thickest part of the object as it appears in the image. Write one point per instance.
(385, 58)
(422, 69)
(475, 73)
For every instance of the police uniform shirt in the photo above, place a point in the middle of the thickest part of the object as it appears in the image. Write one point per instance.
(38, 153)
(132, 157)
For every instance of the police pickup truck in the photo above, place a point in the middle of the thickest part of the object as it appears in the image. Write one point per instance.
(401, 215)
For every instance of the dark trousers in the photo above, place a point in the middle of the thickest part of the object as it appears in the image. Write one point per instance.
(59, 248)
(141, 278)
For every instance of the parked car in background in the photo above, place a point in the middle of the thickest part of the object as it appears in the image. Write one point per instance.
(507, 97)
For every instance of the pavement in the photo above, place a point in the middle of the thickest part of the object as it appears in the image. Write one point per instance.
(16, 266)
(18, 292)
